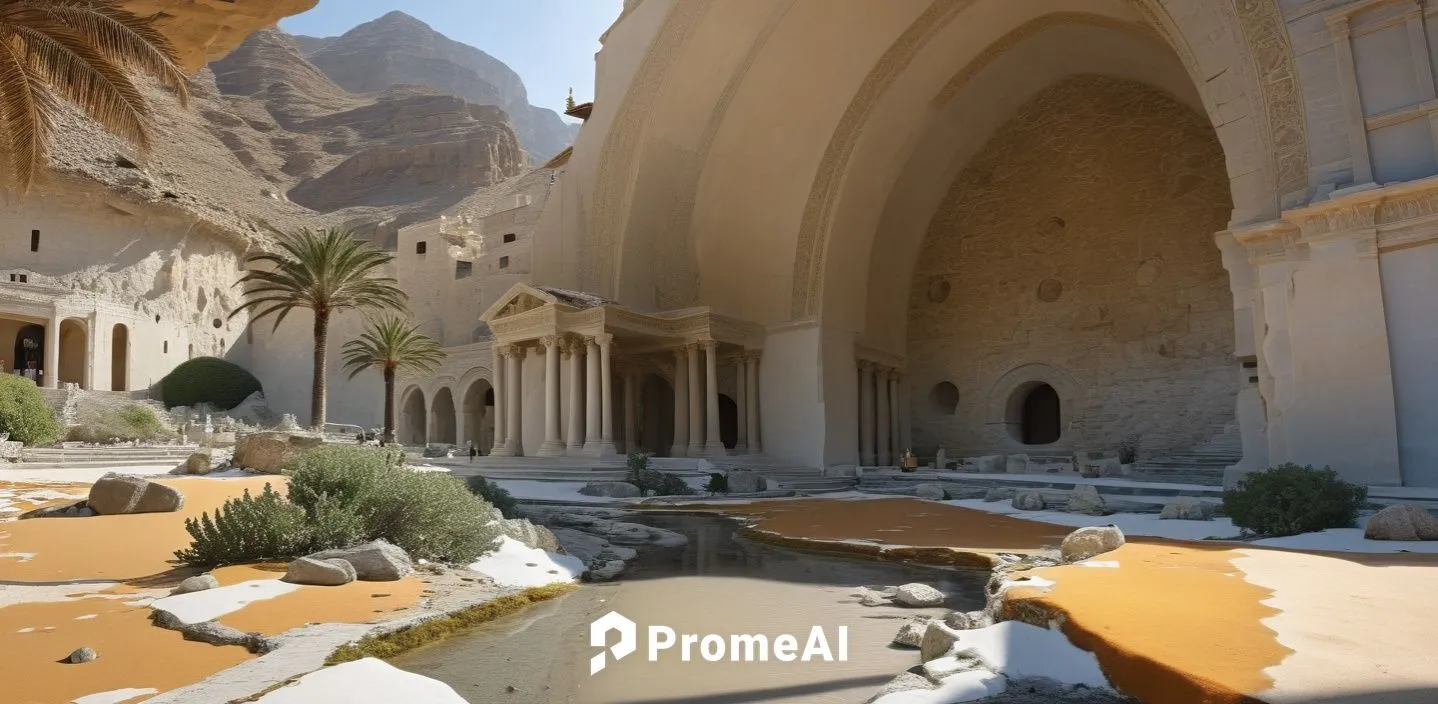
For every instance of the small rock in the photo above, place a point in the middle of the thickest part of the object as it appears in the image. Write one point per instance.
(377, 561)
(1186, 509)
(82, 655)
(1086, 500)
(905, 682)
(1085, 543)
(1000, 493)
(919, 595)
(990, 464)
(511, 688)
(196, 584)
(965, 621)
(1402, 522)
(1029, 501)
(605, 571)
(938, 640)
(612, 490)
(320, 572)
(911, 634)
(1017, 464)
(930, 491)
(745, 482)
(875, 599)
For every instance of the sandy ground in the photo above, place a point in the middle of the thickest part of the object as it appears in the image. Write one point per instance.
(67, 583)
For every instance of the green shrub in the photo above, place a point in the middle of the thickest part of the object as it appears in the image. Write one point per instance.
(1289, 499)
(247, 529)
(496, 495)
(661, 483)
(718, 483)
(343, 495)
(24, 413)
(133, 422)
(221, 384)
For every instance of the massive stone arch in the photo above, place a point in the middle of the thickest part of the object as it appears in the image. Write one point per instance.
(413, 423)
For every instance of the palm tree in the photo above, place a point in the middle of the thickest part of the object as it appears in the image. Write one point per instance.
(82, 51)
(326, 271)
(392, 344)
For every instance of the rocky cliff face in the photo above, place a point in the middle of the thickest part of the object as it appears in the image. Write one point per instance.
(203, 30)
(399, 49)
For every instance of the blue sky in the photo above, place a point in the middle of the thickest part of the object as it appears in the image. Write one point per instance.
(549, 43)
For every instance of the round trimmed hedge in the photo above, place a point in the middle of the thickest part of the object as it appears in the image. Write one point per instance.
(210, 380)
(25, 414)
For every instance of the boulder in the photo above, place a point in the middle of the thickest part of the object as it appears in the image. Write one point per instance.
(1098, 463)
(1085, 543)
(918, 595)
(999, 493)
(268, 452)
(320, 573)
(931, 491)
(745, 482)
(1017, 464)
(911, 634)
(612, 490)
(938, 640)
(196, 584)
(1402, 522)
(528, 533)
(990, 464)
(1029, 501)
(377, 561)
(605, 571)
(116, 494)
(905, 682)
(1086, 499)
(82, 655)
(1186, 509)
(197, 463)
(966, 621)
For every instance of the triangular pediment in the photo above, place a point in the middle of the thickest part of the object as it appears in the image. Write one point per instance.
(519, 299)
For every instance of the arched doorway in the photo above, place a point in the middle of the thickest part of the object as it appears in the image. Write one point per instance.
(656, 417)
(73, 348)
(728, 421)
(479, 415)
(30, 350)
(413, 419)
(441, 413)
(120, 358)
(1040, 421)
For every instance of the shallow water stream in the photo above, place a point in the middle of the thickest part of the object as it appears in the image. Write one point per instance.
(717, 583)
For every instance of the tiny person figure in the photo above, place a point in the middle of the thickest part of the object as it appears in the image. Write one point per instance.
(472, 451)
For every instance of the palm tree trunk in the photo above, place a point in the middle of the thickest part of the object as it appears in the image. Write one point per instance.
(317, 391)
(388, 405)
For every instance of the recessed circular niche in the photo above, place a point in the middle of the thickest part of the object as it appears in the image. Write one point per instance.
(1051, 226)
(157, 317)
(944, 398)
(1050, 290)
(1147, 272)
(939, 288)
(217, 323)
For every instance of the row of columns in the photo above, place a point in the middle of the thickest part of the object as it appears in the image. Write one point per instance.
(696, 399)
(880, 437)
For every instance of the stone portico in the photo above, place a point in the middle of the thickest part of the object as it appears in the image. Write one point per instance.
(576, 375)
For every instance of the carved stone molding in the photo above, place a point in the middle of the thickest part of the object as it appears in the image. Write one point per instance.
(1399, 215)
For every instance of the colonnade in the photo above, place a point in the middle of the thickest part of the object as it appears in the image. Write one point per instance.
(881, 438)
(587, 363)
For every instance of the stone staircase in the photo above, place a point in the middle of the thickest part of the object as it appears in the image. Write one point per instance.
(68, 402)
(1202, 464)
(807, 480)
(82, 457)
(598, 469)
(1122, 494)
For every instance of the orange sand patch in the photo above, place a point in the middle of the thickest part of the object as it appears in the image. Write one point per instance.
(356, 602)
(114, 547)
(22, 501)
(133, 653)
(1173, 623)
(898, 521)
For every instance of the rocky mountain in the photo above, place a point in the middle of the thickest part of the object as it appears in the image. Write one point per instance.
(399, 49)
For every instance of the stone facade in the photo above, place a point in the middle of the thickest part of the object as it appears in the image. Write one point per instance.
(1079, 245)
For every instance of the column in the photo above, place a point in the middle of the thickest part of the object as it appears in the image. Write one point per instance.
(741, 446)
(606, 401)
(751, 400)
(88, 377)
(866, 413)
(713, 445)
(501, 394)
(1352, 103)
(631, 432)
(681, 405)
(575, 349)
(696, 396)
(896, 414)
(553, 446)
(591, 397)
(882, 454)
(514, 402)
(51, 380)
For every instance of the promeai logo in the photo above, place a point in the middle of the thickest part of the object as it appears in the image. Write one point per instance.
(714, 647)
(599, 636)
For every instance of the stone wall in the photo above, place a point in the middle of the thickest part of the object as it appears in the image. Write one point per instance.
(1077, 249)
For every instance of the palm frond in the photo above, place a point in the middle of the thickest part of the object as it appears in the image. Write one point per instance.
(392, 342)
